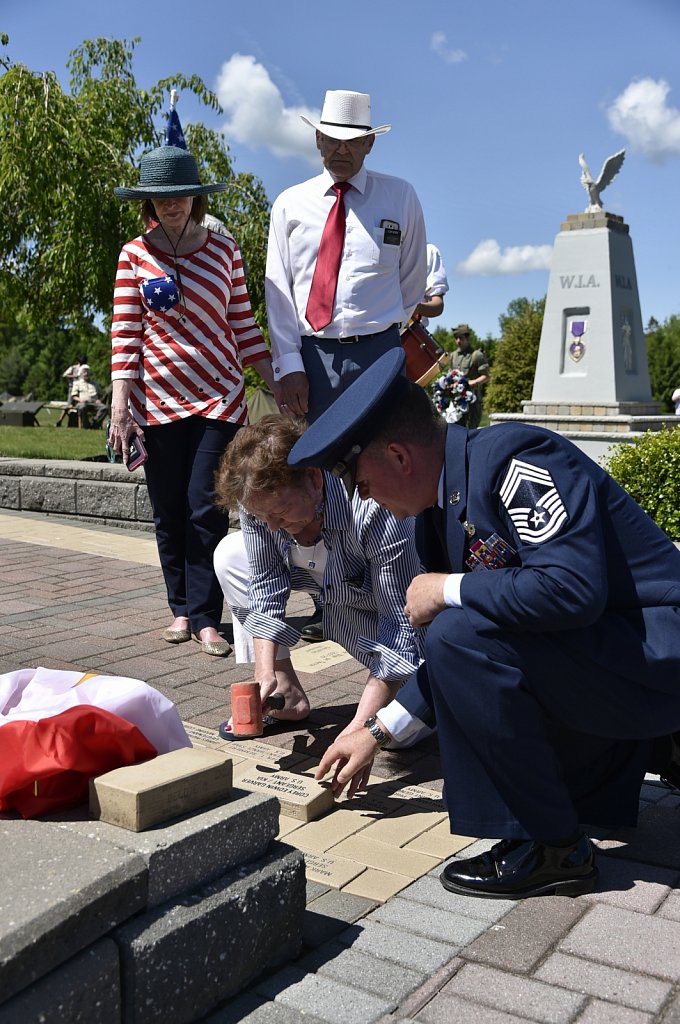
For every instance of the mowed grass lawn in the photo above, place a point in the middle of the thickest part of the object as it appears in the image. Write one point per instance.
(49, 442)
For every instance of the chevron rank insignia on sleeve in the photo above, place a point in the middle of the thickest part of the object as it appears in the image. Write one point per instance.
(533, 502)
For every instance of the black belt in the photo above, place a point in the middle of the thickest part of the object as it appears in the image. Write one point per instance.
(352, 338)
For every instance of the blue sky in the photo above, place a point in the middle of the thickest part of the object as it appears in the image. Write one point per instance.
(491, 103)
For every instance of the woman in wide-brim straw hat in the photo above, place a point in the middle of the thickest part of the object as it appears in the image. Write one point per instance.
(183, 330)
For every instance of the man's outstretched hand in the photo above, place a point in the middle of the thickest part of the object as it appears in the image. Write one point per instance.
(352, 755)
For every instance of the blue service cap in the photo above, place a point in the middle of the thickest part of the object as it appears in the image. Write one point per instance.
(336, 439)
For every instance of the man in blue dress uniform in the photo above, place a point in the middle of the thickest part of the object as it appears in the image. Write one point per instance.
(552, 658)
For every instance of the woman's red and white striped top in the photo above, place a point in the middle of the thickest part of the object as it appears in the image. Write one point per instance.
(188, 360)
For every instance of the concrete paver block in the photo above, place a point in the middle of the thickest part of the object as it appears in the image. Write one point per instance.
(288, 825)
(330, 914)
(141, 795)
(421, 919)
(439, 842)
(401, 827)
(446, 1009)
(66, 891)
(196, 849)
(413, 951)
(610, 983)
(181, 960)
(327, 832)
(633, 942)
(391, 981)
(430, 891)
(608, 1013)
(634, 886)
(377, 885)
(511, 994)
(670, 907)
(86, 988)
(387, 858)
(300, 796)
(325, 997)
(528, 933)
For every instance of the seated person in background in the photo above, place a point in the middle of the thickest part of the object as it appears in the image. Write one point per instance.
(299, 531)
(85, 396)
(70, 375)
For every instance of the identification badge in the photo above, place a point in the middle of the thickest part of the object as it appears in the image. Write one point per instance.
(391, 232)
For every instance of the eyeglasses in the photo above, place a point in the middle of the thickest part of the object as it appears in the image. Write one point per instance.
(332, 144)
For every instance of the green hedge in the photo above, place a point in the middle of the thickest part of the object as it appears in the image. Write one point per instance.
(649, 469)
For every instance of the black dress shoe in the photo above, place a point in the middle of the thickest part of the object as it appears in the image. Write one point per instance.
(516, 868)
(312, 631)
(666, 760)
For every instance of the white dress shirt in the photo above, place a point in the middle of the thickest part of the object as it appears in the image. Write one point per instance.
(380, 283)
(437, 282)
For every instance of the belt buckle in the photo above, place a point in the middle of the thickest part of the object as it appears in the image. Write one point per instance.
(350, 340)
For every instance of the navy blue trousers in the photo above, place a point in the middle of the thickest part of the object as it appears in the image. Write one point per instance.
(332, 365)
(180, 472)
(535, 738)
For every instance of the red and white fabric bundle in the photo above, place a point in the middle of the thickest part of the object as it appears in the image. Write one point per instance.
(58, 729)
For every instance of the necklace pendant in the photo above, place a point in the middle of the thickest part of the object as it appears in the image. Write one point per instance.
(311, 564)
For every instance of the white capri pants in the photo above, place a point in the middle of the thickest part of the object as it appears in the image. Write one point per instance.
(232, 570)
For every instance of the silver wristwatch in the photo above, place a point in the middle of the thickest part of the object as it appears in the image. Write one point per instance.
(378, 734)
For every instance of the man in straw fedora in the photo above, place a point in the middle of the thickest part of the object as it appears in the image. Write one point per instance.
(320, 345)
(369, 287)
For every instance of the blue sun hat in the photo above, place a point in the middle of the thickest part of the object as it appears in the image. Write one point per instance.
(169, 171)
(336, 439)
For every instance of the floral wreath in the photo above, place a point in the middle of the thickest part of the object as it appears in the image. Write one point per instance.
(452, 395)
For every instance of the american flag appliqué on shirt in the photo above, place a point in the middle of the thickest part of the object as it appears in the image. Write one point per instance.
(533, 502)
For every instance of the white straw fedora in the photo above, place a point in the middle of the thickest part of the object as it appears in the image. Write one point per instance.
(346, 115)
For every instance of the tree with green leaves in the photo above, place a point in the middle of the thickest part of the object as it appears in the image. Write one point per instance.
(663, 358)
(62, 152)
(514, 366)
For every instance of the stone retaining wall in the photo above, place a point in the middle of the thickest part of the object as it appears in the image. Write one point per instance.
(101, 491)
(104, 926)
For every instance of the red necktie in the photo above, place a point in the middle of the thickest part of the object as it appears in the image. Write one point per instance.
(321, 300)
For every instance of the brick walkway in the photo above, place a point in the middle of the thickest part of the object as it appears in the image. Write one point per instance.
(383, 941)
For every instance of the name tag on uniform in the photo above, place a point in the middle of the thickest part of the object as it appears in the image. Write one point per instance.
(391, 233)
